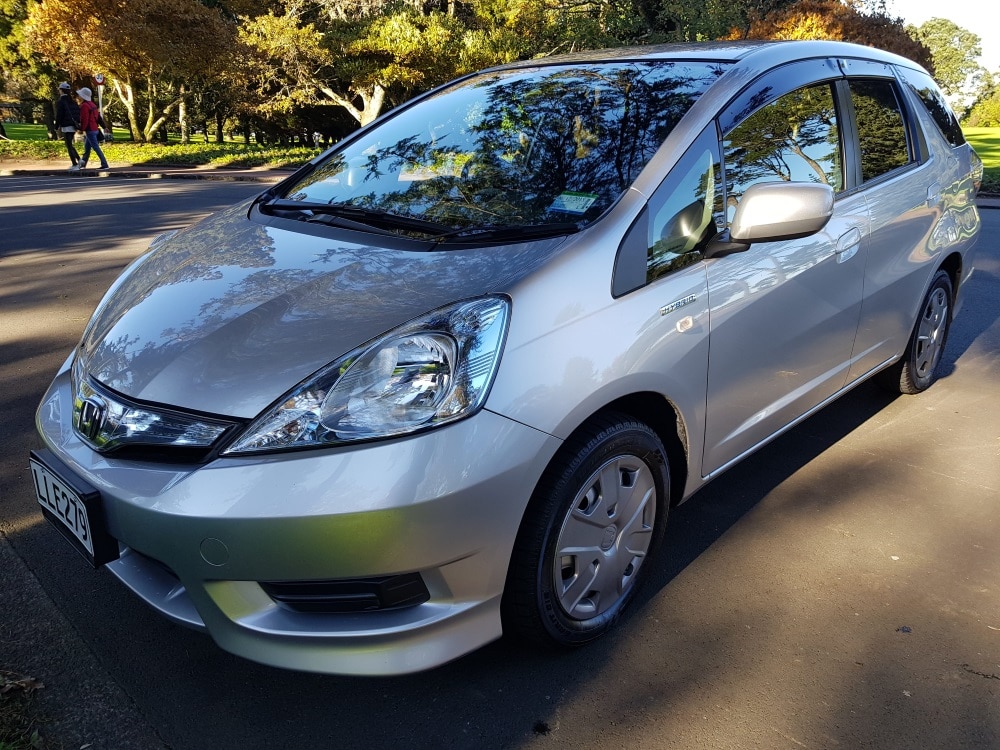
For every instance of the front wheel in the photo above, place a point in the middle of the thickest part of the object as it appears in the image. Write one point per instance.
(917, 370)
(592, 526)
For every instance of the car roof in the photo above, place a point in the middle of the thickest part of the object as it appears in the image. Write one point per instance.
(765, 53)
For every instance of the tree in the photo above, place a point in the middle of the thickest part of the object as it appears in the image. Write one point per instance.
(955, 52)
(357, 55)
(362, 55)
(352, 63)
(151, 47)
(23, 72)
(698, 20)
(985, 113)
(833, 19)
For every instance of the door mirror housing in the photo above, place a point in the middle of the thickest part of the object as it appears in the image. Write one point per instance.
(773, 211)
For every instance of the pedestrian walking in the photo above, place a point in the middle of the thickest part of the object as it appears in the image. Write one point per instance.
(68, 120)
(90, 124)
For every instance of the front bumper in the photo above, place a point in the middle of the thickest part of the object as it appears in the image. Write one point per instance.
(196, 541)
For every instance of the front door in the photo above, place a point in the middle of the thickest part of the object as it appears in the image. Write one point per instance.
(783, 315)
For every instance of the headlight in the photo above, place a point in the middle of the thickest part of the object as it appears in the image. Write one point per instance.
(431, 371)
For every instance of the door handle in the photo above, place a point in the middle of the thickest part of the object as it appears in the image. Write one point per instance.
(847, 245)
(934, 195)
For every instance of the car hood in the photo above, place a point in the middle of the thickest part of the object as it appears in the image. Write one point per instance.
(227, 316)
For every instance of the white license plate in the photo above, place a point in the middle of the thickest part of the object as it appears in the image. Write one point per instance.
(63, 503)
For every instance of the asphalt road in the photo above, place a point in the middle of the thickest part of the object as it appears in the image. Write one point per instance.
(840, 589)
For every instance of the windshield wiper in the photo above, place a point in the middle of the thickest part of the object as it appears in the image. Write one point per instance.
(370, 216)
(510, 232)
(441, 233)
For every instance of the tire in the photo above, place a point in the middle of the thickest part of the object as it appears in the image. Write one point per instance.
(593, 524)
(917, 370)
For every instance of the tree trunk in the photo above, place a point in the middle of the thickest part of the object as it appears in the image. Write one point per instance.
(182, 115)
(156, 126)
(126, 95)
(149, 131)
(220, 123)
(372, 100)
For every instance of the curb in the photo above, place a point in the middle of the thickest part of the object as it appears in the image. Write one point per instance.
(41, 641)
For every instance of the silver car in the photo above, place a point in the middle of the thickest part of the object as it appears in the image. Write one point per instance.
(445, 381)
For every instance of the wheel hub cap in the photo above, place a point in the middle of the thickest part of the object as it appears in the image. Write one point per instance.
(604, 537)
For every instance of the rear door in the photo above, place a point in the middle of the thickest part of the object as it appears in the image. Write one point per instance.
(912, 178)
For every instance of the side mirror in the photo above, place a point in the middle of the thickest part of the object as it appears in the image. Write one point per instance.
(772, 211)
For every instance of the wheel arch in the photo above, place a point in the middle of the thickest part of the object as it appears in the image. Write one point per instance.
(664, 418)
(952, 265)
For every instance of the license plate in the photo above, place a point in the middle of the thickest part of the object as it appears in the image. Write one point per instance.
(73, 507)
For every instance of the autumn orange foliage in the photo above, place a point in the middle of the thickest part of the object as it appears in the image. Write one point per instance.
(833, 19)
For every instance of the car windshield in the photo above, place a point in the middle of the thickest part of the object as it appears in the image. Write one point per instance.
(548, 145)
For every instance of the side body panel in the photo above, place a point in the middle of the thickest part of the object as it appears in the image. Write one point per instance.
(783, 319)
(918, 217)
(572, 348)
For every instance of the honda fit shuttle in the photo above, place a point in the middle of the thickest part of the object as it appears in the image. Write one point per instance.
(446, 381)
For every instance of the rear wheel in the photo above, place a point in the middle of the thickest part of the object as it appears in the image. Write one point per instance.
(917, 370)
(584, 546)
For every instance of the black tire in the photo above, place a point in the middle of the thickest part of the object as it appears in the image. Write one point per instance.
(916, 371)
(571, 599)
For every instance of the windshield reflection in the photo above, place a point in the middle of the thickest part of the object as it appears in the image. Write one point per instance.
(551, 144)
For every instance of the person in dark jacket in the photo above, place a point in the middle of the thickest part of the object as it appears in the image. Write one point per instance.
(68, 120)
(90, 124)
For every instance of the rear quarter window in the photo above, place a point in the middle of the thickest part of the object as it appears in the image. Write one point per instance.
(933, 101)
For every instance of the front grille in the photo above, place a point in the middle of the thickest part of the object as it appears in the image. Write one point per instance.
(349, 595)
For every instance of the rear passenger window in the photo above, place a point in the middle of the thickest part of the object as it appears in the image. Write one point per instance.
(927, 91)
(881, 127)
(793, 139)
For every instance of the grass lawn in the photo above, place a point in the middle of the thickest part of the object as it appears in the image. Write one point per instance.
(18, 131)
(986, 141)
(29, 142)
(19, 716)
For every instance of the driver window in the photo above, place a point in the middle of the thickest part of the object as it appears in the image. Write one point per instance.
(795, 138)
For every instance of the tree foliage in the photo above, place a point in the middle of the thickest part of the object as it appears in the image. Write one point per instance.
(24, 72)
(687, 21)
(955, 52)
(156, 44)
(282, 67)
(317, 58)
(363, 54)
(833, 19)
(985, 112)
